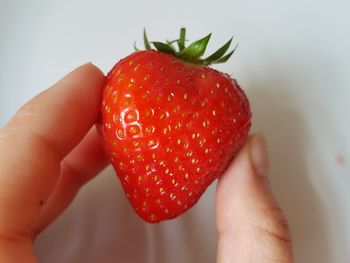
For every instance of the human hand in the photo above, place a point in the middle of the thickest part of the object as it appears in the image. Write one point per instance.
(50, 149)
(251, 226)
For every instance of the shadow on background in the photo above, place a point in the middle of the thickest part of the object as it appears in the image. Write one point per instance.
(194, 232)
(99, 226)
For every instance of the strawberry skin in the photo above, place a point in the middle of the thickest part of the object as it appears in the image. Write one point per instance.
(170, 128)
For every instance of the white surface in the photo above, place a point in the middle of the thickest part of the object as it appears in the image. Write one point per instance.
(293, 60)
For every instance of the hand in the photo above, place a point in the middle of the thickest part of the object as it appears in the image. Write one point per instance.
(50, 149)
(47, 152)
(251, 226)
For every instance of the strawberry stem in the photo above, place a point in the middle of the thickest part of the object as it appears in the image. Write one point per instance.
(181, 42)
(194, 52)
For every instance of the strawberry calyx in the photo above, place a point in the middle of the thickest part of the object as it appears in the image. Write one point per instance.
(193, 52)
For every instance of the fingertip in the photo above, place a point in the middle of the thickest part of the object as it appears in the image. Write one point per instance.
(244, 186)
(251, 163)
(245, 179)
(231, 186)
(259, 154)
(88, 72)
(240, 168)
(89, 66)
(64, 113)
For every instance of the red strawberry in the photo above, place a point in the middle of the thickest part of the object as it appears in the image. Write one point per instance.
(171, 125)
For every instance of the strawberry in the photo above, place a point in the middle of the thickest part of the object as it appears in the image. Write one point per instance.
(171, 124)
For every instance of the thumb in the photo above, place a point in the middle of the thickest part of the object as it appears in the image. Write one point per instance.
(251, 226)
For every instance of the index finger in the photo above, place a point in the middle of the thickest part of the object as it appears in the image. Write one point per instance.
(37, 138)
(63, 114)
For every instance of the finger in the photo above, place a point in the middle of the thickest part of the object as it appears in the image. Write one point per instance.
(63, 114)
(251, 227)
(80, 166)
(39, 136)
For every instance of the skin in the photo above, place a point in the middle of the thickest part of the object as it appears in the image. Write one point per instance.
(50, 149)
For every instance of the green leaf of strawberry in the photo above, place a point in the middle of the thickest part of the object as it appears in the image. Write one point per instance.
(171, 127)
(194, 51)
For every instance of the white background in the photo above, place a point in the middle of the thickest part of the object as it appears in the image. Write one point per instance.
(293, 61)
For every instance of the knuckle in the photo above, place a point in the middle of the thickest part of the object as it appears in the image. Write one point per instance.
(274, 224)
(275, 238)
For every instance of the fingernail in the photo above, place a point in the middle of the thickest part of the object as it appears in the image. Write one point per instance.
(259, 155)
